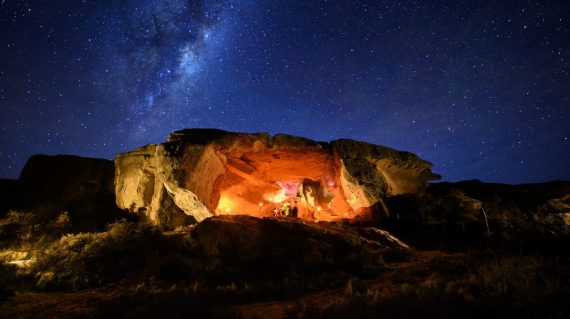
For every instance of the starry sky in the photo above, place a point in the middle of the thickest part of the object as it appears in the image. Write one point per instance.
(479, 88)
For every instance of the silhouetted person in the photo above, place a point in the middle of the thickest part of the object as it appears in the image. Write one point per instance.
(295, 211)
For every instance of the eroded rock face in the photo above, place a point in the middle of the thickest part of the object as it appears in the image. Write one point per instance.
(203, 172)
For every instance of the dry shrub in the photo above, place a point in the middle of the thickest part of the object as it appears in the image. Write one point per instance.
(93, 259)
(17, 228)
(23, 230)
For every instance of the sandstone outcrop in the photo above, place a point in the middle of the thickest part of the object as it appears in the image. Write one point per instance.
(82, 186)
(203, 172)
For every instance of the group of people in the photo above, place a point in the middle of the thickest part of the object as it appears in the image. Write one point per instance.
(287, 209)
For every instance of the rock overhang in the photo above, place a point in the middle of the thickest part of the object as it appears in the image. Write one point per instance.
(206, 172)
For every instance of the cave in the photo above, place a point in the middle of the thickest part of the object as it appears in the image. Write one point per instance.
(203, 172)
(271, 183)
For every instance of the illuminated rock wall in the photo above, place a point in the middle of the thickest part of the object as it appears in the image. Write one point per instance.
(201, 172)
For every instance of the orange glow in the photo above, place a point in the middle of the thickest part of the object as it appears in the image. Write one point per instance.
(276, 197)
(225, 205)
(270, 183)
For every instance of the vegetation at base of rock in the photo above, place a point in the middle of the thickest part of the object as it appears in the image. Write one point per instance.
(210, 269)
(467, 285)
(24, 230)
(496, 287)
(93, 259)
(132, 252)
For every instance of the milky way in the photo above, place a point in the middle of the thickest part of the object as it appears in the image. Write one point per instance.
(479, 89)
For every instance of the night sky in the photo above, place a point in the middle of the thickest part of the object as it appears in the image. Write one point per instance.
(479, 88)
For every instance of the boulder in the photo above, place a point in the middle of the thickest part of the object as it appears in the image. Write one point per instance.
(205, 172)
(82, 186)
(291, 243)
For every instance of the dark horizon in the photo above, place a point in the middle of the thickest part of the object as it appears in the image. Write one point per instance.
(478, 89)
(442, 180)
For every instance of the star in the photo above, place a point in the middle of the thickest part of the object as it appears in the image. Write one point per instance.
(433, 78)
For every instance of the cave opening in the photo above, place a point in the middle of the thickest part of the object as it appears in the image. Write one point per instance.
(267, 184)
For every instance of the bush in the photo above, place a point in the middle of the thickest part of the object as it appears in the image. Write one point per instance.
(17, 228)
(93, 259)
(23, 230)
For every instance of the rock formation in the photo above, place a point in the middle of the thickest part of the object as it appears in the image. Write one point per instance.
(290, 240)
(205, 172)
(49, 185)
(200, 173)
(474, 212)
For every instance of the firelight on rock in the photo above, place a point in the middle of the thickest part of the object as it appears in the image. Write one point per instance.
(203, 172)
